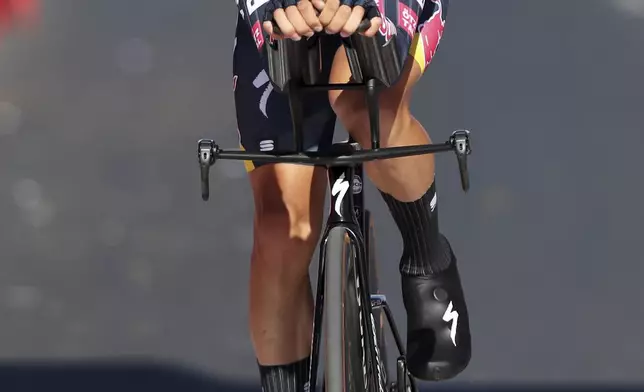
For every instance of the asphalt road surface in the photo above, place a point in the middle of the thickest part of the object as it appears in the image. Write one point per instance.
(107, 251)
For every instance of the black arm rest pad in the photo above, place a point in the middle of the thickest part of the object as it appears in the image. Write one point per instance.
(299, 61)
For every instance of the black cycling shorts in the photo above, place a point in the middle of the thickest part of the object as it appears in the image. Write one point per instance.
(263, 115)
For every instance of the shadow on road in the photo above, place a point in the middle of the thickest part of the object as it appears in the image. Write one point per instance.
(156, 376)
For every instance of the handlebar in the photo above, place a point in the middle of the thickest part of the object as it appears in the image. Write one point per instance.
(379, 74)
(459, 142)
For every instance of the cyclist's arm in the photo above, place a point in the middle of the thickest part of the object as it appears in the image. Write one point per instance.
(253, 13)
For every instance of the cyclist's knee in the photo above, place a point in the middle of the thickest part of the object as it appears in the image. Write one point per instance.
(279, 223)
(351, 108)
(353, 113)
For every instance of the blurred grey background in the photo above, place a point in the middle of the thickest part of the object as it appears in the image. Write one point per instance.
(107, 251)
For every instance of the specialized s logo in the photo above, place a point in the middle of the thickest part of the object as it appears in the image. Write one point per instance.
(340, 187)
(451, 315)
(262, 79)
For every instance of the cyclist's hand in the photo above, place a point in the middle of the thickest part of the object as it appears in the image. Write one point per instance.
(344, 16)
(295, 19)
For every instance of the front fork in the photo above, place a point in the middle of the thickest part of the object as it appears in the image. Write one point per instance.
(404, 382)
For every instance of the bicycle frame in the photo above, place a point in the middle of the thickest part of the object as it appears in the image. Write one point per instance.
(347, 211)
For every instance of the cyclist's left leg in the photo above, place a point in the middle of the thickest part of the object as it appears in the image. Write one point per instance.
(288, 201)
(438, 338)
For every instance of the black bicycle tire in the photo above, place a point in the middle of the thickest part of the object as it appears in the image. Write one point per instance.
(344, 366)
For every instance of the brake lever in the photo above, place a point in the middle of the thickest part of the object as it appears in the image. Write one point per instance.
(460, 141)
(206, 151)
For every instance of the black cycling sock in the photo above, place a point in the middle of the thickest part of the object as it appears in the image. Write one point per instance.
(293, 377)
(425, 250)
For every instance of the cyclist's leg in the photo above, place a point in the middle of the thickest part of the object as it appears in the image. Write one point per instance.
(288, 218)
(407, 185)
(287, 222)
(398, 126)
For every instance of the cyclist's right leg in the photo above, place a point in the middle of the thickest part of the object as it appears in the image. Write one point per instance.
(288, 217)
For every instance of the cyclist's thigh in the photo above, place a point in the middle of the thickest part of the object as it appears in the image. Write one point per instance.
(263, 115)
(284, 193)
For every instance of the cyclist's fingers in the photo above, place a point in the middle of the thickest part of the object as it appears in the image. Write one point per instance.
(268, 28)
(318, 4)
(328, 12)
(298, 22)
(376, 22)
(287, 29)
(339, 20)
(309, 14)
(352, 23)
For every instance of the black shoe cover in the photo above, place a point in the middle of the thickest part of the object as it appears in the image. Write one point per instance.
(438, 333)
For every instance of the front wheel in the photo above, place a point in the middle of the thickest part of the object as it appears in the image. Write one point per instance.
(351, 363)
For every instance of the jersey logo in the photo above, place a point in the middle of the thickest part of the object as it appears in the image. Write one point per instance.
(256, 31)
(387, 29)
(266, 145)
(260, 80)
(340, 187)
(407, 19)
(451, 315)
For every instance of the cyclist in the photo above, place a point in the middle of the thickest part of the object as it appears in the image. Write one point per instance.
(289, 198)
